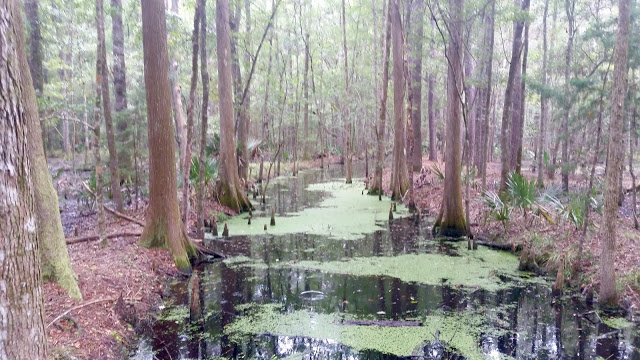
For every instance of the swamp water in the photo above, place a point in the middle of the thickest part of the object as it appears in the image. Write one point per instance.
(335, 279)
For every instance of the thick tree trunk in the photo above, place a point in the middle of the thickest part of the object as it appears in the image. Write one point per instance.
(376, 187)
(347, 118)
(485, 147)
(414, 41)
(411, 203)
(186, 161)
(608, 290)
(515, 116)
(516, 50)
(542, 132)
(97, 123)
(230, 188)
(433, 150)
(521, 106)
(204, 116)
(106, 102)
(399, 179)
(164, 227)
(453, 222)
(21, 306)
(56, 266)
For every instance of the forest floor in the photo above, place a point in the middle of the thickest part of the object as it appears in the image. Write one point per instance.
(548, 242)
(98, 326)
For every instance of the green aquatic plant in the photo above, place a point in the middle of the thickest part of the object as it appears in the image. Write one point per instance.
(345, 214)
(459, 332)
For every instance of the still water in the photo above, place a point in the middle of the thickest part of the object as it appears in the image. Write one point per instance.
(311, 308)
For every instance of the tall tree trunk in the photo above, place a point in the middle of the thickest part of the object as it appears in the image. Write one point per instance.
(97, 123)
(515, 115)
(376, 187)
(570, 10)
(542, 132)
(186, 160)
(346, 105)
(21, 306)
(414, 41)
(119, 70)
(399, 179)
(632, 139)
(204, 114)
(245, 119)
(164, 227)
(453, 223)
(305, 90)
(486, 146)
(265, 109)
(433, 150)
(411, 203)
(516, 50)
(521, 106)
(608, 291)
(55, 265)
(106, 102)
(230, 191)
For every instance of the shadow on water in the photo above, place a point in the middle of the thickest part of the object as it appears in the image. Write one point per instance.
(521, 321)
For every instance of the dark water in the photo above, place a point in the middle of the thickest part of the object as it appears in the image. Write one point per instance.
(529, 323)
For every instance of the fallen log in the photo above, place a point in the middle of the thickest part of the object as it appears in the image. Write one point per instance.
(81, 239)
(123, 216)
(86, 304)
(505, 247)
(387, 323)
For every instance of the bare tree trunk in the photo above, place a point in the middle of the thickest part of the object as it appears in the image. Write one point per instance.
(608, 290)
(119, 69)
(570, 10)
(399, 179)
(376, 187)
(21, 306)
(347, 118)
(106, 102)
(265, 109)
(516, 50)
(542, 132)
(230, 191)
(204, 118)
(433, 150)
(180, 122)
(55, 264)
(411, 203)
(632, 138)
(453, 223)
(164, 227)
(414, 41)
(486, 145)
(515, 115)
(245, 120)
(186, 160)
(521, 105)
(97, 123)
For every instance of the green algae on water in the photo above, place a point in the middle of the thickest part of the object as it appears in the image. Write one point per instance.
(461, 331)
(346, 214)
(484, 268)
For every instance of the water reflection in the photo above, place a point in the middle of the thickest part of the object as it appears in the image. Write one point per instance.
(522, 322)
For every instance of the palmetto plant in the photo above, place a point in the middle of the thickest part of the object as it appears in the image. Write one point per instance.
(499, 210)
(522, 192)
(210, 171)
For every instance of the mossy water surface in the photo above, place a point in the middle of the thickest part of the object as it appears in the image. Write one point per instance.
(346, 213)
(459, 332)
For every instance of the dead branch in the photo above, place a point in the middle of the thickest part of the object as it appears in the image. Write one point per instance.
(123, 216)
(81, 239)
(87, 304)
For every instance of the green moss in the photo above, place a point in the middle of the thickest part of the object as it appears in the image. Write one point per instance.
(484, 268)
(617, 322)
(346, 214)
(461, 330)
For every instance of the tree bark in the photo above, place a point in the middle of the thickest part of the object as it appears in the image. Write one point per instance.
(399, 179)
(608, 291)
(204, 116)
(230, 187)
(21, 305)
(414, 41)
(186, 160)
(570, 10)
(453, 223)
(245, 119)
(486, 145)
(164, 227)
(433, 150)
(119, 70)
(516, 50)
(542, 132)
(106, 102)
(376, 187)
(347, 119)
